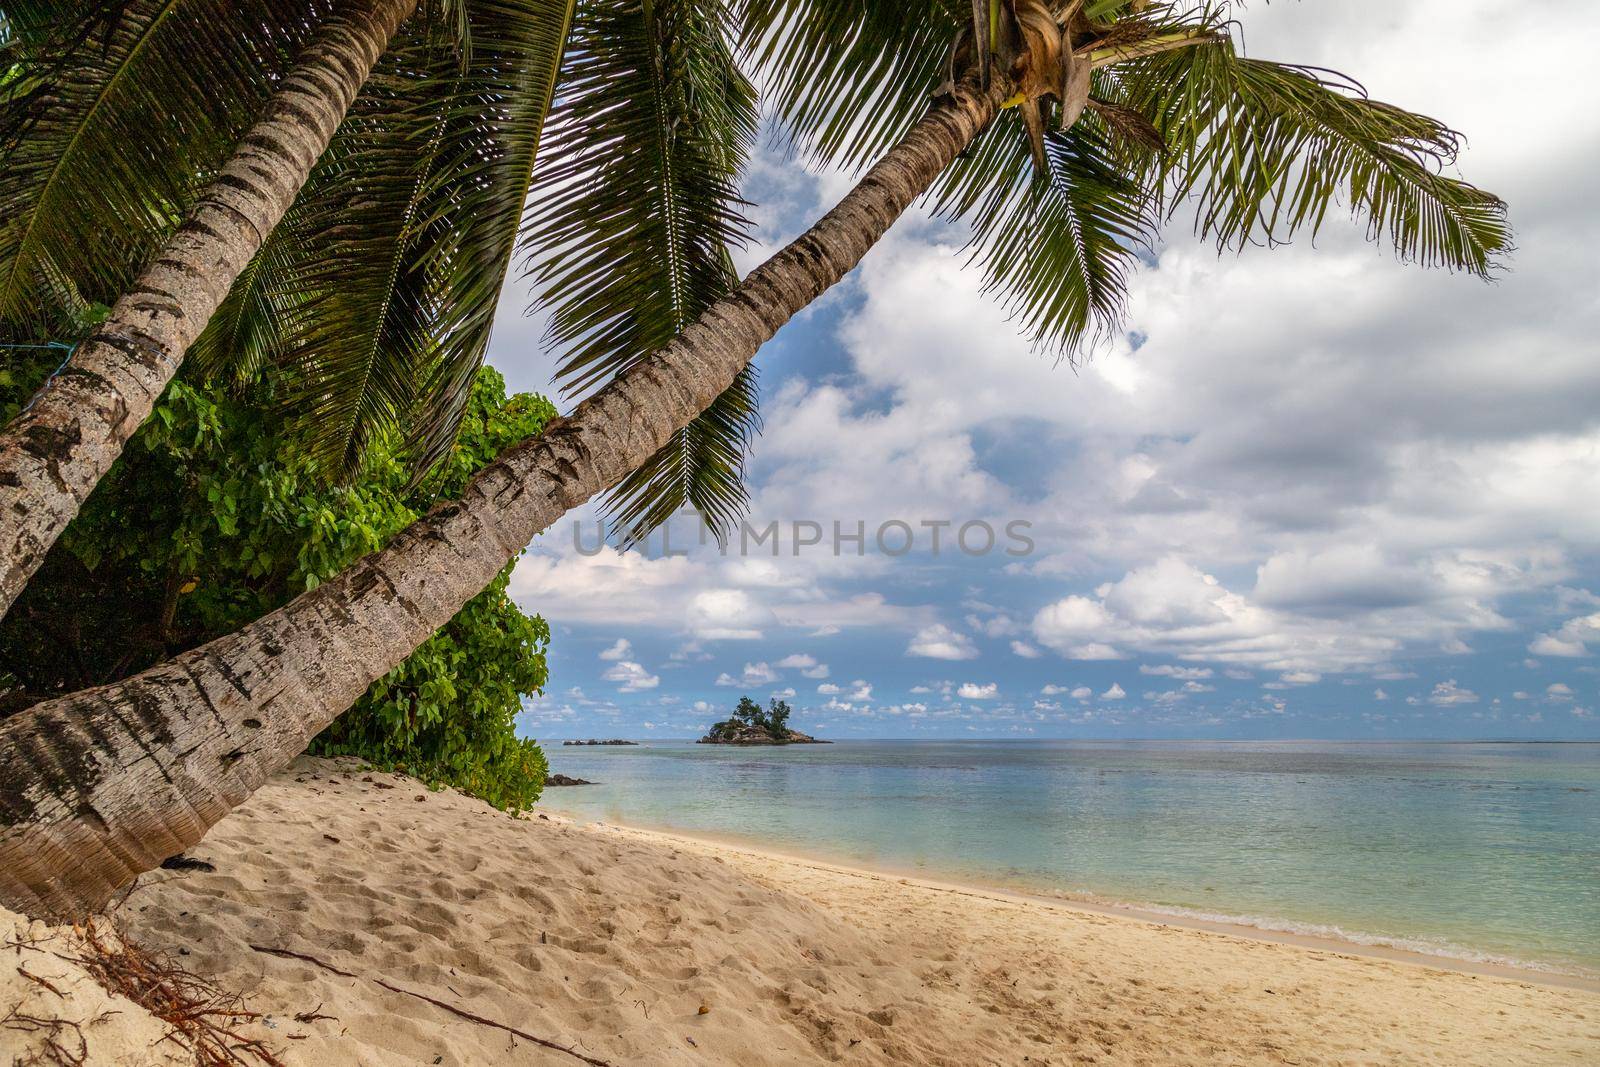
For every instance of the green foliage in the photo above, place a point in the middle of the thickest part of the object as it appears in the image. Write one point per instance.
(749, 714)
(447, 713)
(214, 517)
(378, 289)
(634, 210)
(848, 80)
(110, 116)
(778, 718)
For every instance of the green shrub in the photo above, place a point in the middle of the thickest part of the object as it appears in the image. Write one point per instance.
(213, 517)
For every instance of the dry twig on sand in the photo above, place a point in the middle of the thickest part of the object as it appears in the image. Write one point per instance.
(451, 1008)
(55, 1049)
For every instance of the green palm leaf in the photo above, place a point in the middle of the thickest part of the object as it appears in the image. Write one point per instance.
(377, 292)
(1260, 151)
(635, 210)
(1057, 251)
(846, 80)
(1263, 151)
(110, 118)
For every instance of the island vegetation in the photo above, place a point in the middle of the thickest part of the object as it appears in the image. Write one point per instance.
(751, 724)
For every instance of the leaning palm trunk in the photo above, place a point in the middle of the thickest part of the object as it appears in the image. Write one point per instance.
(99, 786)
(53, 454)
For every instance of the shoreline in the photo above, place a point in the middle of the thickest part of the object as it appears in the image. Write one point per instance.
(1145, 914)
(367, 918)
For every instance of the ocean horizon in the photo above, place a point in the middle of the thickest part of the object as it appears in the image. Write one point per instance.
(1486, 851)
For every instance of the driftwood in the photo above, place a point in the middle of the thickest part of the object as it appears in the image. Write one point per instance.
(445, 1005)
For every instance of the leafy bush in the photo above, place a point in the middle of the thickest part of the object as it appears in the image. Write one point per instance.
(213, 518)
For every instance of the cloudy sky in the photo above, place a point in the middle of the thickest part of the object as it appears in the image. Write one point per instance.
(1310, 493)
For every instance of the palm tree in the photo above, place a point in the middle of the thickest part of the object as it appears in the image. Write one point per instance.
(1066, 135)
(57, 449)
(428, 161)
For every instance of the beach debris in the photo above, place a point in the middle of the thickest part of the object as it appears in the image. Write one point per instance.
(200, 1014)
(54, 1048)
(705, 1009)
(330, 837)
(39, 981)
(313, 1015)
(180, 862)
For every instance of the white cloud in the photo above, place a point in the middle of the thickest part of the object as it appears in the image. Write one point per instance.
(940, 642)
(1570, 640)
(974, 691)
(1268, 489)
(1447, 694)
(621, 650)
(806, 664)
(1166, 670)
(828, 689)
(754, 676)
(727, 615)
(782, 694)
(1116, 692)
(1559, 692)
(1025, 650)
(1171, 607)
(631, 677)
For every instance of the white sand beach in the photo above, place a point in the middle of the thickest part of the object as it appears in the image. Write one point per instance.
(410, 927)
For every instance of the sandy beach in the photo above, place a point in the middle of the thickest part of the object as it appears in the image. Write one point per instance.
(405, 926)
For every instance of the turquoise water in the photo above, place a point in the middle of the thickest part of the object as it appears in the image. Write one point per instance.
(1488, 851)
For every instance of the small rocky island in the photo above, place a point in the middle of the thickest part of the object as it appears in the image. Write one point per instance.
(751, 724)
(592, 741)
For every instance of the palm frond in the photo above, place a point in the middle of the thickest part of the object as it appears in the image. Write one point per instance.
(377, 291)
(1177, 120)
(847, 80)
(1263, 151)
(635, 208)
(1058, 250)
(703, 467)
(111, 117)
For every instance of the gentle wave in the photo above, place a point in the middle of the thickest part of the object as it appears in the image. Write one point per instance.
(1329, 932)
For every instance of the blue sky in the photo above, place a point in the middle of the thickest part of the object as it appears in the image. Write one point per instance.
(1311, 492)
